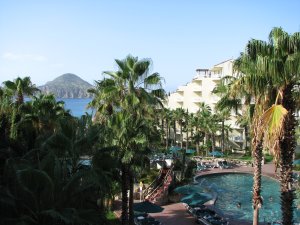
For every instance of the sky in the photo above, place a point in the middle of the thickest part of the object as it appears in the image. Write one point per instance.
(44, 39)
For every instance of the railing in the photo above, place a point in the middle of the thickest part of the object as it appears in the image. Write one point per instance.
(165, 180)
(151, 186)
(179, 99)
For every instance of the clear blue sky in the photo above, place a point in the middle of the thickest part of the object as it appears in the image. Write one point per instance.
(46, 38)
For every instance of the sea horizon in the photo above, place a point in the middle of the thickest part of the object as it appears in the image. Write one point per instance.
(77, 106)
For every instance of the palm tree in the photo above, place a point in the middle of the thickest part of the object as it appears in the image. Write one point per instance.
(205, 121)
(168, 119)
(17, 89)
(247, 67)
(20, 87)
(222, 116)
(127, 97)
(44, 112)
(275, 64)
(179, 116)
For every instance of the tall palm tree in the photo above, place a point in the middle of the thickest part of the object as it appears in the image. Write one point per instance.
(44, 112)
(247, 67)
(222, 116)
(17, 89)
(20, 87)
(205, 121)
(179, 116)
(275, 64)
(127, 97)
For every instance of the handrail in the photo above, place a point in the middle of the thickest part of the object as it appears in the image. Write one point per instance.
(147, 190)
(161, 184)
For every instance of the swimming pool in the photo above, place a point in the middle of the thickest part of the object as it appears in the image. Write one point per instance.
(234, 192)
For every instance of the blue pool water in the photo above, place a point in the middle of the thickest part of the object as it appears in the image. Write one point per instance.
(235, 188)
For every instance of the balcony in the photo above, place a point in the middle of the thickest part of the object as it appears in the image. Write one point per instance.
(179, 99)
(180, 90)
(197, 100)
(197, 89)
(216, 77)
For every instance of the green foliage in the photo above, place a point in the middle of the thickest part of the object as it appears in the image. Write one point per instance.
(178, 165)
(189, 172)
(268, 158)
(148, 176)
(41, 177)
(112, 219)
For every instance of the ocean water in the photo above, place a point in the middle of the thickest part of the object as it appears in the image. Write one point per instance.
(77, 106)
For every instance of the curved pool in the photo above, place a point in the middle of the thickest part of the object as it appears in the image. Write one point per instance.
(234, 191)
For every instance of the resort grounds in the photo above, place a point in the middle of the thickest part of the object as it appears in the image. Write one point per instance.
(176, 213)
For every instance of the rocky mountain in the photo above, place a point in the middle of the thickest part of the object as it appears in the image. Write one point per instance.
(67, 86)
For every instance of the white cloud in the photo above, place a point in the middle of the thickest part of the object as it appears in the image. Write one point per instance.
(22, 57)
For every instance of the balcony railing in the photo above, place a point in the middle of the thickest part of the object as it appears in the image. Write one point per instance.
(197, 100)
(179, 99)
(197, 89)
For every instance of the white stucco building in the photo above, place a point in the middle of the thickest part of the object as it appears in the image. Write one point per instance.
(199, 89)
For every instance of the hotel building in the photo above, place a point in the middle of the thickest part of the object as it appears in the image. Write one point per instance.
(199, 90)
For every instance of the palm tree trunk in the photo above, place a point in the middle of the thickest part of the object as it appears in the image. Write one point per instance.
(124, 216)
(131, 192)
(13, 127)
(192, 135)
(197, 148)
(206, 142)
(187, 139)
(223, 137)
(183, 163)
(256, 198)
(167, 134)
(213, 144)
(181, 137)
(163, 129)
(175, 132)
(287, 150)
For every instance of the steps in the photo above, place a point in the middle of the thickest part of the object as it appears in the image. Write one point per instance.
(157, 192)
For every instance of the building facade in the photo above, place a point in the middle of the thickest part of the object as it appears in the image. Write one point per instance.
(199, 90)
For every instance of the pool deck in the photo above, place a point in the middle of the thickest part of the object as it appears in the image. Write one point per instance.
(176, 214)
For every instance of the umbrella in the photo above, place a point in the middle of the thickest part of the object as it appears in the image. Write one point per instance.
(147, 207)
(174, 149)
(196, 198)
(190, 151)
(216, 154)
(296, 162)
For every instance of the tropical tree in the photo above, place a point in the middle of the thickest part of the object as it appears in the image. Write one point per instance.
(205, 124)
(179, 114)
(222, 116)
(17, 89)
(45, 112)
(272, 67)
(127, 97)
(46, 191)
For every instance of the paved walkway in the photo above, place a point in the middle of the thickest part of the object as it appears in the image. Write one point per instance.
(176, 214)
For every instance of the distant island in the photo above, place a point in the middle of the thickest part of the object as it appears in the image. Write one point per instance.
(67, 86)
